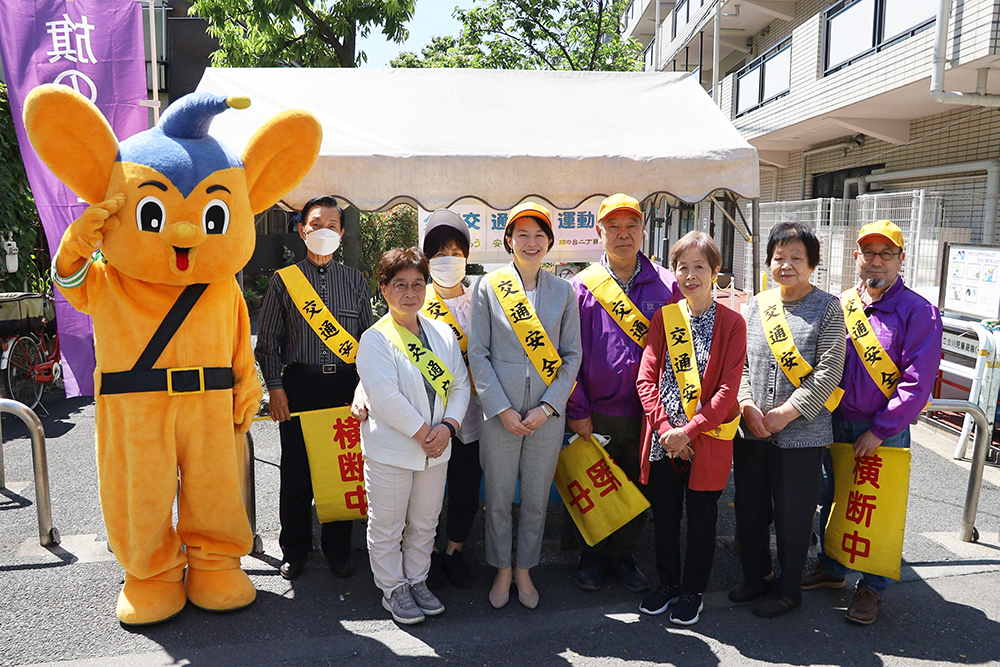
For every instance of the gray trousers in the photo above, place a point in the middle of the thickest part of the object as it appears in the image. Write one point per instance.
(505, 459)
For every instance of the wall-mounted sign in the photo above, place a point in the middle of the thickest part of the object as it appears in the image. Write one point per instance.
(971, 281)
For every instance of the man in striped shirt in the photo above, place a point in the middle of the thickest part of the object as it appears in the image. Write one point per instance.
(302, 373)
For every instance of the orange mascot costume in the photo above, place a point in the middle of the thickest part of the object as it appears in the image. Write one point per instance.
(152, 261)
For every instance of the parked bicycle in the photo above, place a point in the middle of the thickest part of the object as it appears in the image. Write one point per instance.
(30, 358)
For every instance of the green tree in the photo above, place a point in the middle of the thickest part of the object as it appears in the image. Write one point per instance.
(18, 215)
(298, 33)
(535, 34)
(382, 231)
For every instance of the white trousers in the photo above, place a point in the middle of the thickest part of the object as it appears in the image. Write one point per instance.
(403, 510)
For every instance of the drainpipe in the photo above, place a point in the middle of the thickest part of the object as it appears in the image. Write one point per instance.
(990, 166)
(715, 52)
(656, 39)
(940, 58)
(815, 151)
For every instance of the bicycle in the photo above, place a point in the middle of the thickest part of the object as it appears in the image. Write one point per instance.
(30, 343)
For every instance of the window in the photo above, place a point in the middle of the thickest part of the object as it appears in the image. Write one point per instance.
(680, 17)
(764, 79)
(649, 56)
(857, 28)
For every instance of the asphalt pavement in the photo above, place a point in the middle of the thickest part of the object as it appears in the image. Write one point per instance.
(57, 606)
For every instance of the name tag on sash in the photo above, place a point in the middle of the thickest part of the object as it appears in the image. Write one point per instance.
(873, 356)
(311, 307)
(613, 299)
(680, 347)
(428, 363)
(779, 339)
(522, 317)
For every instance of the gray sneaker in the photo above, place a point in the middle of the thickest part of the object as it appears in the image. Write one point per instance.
(402, 607)
(427, 601)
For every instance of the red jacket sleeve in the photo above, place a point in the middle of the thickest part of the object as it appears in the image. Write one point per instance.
(650, 369)
(731, 355)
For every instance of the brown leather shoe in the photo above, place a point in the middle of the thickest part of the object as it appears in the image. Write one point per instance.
(818, 576)
(863, 609)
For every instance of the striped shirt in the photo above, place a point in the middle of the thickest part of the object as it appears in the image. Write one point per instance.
(626, 287)
(283, 335)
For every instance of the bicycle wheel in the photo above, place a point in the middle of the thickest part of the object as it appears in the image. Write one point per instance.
(20, 378)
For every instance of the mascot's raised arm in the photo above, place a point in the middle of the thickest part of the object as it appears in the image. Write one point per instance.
(152, 261)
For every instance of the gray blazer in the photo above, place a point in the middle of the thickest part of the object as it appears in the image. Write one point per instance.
(499, 363)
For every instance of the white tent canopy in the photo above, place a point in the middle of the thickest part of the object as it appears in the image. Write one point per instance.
(433, 136)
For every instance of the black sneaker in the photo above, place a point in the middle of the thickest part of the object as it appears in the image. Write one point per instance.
(659, 600)
(626, 571)
(687, 609)
(436, 575)
(457, 570)
(588, 572)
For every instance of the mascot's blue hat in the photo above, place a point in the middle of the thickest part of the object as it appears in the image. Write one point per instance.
(179, 146)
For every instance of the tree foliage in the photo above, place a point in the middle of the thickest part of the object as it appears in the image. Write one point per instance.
(18, 215)
(298, 33)
(535, 34)
(382, 231)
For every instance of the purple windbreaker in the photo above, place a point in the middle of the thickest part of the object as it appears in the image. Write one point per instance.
(909, 328)
(606, 383)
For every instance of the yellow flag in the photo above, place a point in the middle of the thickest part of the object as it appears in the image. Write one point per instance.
(333, 443)
(868, 516)
(598, 494)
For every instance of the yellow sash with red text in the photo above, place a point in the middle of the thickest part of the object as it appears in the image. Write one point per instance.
(874, 358)
(779, 339)
(522, 317)
(613, 299)
(317, 315)
(680, 346)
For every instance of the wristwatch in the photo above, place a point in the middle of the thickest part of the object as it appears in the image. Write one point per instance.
(451, 428)
(545, 409)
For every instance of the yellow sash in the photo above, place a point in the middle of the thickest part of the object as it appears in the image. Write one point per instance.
(680, 346)
(536, 343)
(428, 363)
(436, 308)
(613, 299)
(873, 356)
(779, 339)
(309, 305)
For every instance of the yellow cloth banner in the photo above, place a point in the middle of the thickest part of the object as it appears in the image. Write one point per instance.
(680, 347)
(309, 305)
(868, 516)
(873, 356)
(779, 339)
(599, 496)
(336, 466)
(613, 299)
(536, 343)
(428, 363)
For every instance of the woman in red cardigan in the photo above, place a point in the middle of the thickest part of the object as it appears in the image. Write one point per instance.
(688, 433)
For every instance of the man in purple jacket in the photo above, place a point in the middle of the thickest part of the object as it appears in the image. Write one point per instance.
(908, 327)
(618, 296)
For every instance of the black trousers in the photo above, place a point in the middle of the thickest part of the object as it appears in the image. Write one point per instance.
(308, 392)
(788, 478)
(464, 477)
(667, 491)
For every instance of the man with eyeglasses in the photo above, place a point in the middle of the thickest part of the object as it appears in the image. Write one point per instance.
(908, 330)
(313, 314)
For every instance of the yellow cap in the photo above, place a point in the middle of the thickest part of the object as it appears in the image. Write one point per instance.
(882, 228)
(527, 208)
(618, 202)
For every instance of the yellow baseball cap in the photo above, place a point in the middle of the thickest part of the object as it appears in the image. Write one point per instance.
(618, 202)
(882, 228)
(526, 209)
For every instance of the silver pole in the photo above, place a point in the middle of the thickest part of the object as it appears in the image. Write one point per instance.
(154, 64)
(47, 535)
(715, 52)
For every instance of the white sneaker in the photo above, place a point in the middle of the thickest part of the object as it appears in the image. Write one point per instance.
(402, 607)
(425, 600)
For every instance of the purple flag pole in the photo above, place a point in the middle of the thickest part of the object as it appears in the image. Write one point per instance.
(96, 47)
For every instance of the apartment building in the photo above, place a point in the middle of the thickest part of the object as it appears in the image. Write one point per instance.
(835, 95)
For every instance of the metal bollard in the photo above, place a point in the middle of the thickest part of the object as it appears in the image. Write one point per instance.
(250, 493)
(48, 536)
(968, 533)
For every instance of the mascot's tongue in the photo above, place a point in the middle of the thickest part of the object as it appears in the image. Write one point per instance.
(182, 258)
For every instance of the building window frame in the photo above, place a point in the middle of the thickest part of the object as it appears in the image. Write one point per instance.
(879, 40)
(761, 65)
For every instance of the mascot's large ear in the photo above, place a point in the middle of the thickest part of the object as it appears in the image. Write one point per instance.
(279, 155)
(72, 137)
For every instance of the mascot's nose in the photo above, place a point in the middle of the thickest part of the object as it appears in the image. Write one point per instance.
(184, 229)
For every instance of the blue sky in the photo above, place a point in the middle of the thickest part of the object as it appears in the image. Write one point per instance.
(431, 18)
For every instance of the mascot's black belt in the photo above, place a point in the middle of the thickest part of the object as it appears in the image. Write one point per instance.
(174, 381)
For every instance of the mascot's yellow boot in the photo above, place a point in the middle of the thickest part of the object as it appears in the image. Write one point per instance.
(152, 261)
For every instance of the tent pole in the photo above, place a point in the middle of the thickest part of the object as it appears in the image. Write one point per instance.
(754, 241)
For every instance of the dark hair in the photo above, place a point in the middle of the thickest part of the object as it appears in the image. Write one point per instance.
(698, 241)
(401, 259)
(508, 233)
(784, 233)
(326, 201)
(439, 237)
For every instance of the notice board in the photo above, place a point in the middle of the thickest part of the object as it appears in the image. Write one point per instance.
(970, 277)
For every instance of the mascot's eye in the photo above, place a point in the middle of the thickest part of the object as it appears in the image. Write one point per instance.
(215, 217)
(150, 214)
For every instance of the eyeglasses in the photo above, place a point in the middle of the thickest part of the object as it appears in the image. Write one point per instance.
(885, 255)
(402, 287)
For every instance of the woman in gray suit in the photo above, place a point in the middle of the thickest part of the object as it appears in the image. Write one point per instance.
(524, 353)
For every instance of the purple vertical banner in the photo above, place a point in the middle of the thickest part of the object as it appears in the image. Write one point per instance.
(96, 47)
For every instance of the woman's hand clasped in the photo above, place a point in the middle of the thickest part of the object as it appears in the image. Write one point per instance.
(436, 441)
(780, 417)
(675, 442)
(535, 418)
(754, 419)
(512, 422)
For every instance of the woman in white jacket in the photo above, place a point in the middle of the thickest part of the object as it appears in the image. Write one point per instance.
(418, 391)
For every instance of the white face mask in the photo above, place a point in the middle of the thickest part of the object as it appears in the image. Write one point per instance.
(447, 271)
(323, 242)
